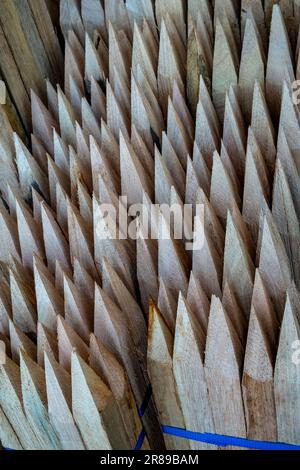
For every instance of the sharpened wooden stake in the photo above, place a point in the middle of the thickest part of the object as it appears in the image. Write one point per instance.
(149, 156)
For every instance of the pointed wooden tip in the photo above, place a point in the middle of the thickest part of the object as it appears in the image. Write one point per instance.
(19, 340)
(160, 340)
(68, 340)
(46, 343)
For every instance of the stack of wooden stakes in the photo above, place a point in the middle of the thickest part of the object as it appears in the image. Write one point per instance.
(164, 102)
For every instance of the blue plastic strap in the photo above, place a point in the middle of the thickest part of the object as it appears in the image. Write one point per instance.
(145, 403)
(140, 441)
(225, 441)
(141, 412)
(217, 440)
(208, 438)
